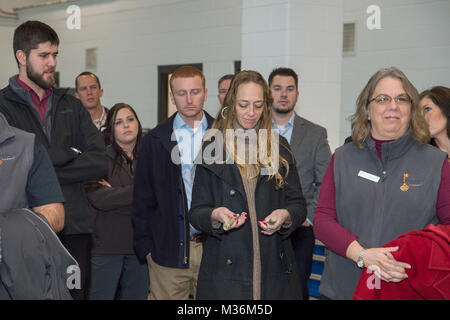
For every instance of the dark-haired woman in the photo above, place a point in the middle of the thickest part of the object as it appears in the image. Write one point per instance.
(435, 104)
(116, 271)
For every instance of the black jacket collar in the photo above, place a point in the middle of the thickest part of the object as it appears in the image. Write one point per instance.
(12, 93)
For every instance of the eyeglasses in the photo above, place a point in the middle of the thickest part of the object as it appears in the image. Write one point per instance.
(383, 99)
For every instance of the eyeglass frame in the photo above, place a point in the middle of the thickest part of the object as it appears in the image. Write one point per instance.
(390, 98)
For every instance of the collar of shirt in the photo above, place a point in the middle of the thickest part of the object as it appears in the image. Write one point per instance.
(286, 130)
(189, 139)
(39, 104)
(33, 94)
(178, 123)
(101, 121)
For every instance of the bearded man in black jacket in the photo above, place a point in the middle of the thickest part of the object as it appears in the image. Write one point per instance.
(31, 102)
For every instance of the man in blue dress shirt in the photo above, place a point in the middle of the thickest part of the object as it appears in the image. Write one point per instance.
(163, 191)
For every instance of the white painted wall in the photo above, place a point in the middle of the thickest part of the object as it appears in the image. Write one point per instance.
(414, 37)
(133, 37)
(305, 35)
(315, 52)
(265, 35)
(8, 64)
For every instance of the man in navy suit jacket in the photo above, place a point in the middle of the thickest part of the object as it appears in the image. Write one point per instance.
(163, 190)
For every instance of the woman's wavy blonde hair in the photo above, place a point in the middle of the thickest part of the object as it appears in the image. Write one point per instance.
(226, 119)
(361, 125)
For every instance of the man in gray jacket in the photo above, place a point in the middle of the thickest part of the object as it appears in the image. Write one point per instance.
(312, 154)
(28, 180)
(27, 177)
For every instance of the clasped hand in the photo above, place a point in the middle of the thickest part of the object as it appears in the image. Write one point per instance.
(389, 269)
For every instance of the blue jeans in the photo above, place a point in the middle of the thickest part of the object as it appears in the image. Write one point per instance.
(116, 276)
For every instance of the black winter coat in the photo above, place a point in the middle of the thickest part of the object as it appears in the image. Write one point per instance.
(159, 195)
(226, 270)
(71, 127)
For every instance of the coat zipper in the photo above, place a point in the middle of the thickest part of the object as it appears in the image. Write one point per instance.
(186, 243)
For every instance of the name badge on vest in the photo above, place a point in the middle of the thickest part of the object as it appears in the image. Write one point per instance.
(368, 176)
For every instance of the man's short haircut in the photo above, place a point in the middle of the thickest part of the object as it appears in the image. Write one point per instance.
(187, 72)
(225, 77)
(87, 73)
(285, 72)
(30, 34)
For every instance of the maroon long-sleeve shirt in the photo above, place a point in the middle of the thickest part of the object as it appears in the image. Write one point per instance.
(337, 238)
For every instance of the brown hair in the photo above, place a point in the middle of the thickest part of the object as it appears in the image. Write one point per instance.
(440, 96)
(227, 116)
(87, 73)
(284, 72)
(30, 34)
(223, 78)
(187, 72)
(109, 134)
(361, 125)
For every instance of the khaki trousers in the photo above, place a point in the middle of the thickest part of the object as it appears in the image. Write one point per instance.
(175, 283)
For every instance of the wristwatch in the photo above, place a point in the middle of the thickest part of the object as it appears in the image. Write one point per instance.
(360, 262)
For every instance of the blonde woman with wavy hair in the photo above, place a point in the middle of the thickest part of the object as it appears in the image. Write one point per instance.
(227, 119)
(385, 183)
(247, 260)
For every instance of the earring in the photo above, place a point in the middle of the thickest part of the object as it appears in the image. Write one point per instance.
(221, 112)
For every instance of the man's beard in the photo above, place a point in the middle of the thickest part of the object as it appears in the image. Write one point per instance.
(283, 110)
(39, 79)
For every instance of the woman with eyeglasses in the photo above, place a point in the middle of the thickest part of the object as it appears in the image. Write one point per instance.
(387, 182)
(435, 104)
(116, 272)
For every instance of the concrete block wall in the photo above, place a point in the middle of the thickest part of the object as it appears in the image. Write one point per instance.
(305, 35)
(413, 37)
(134, 37)
(265, 35)
(316, 54)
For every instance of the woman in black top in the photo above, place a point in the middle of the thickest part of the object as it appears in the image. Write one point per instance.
(116, 271)
(435, 104)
